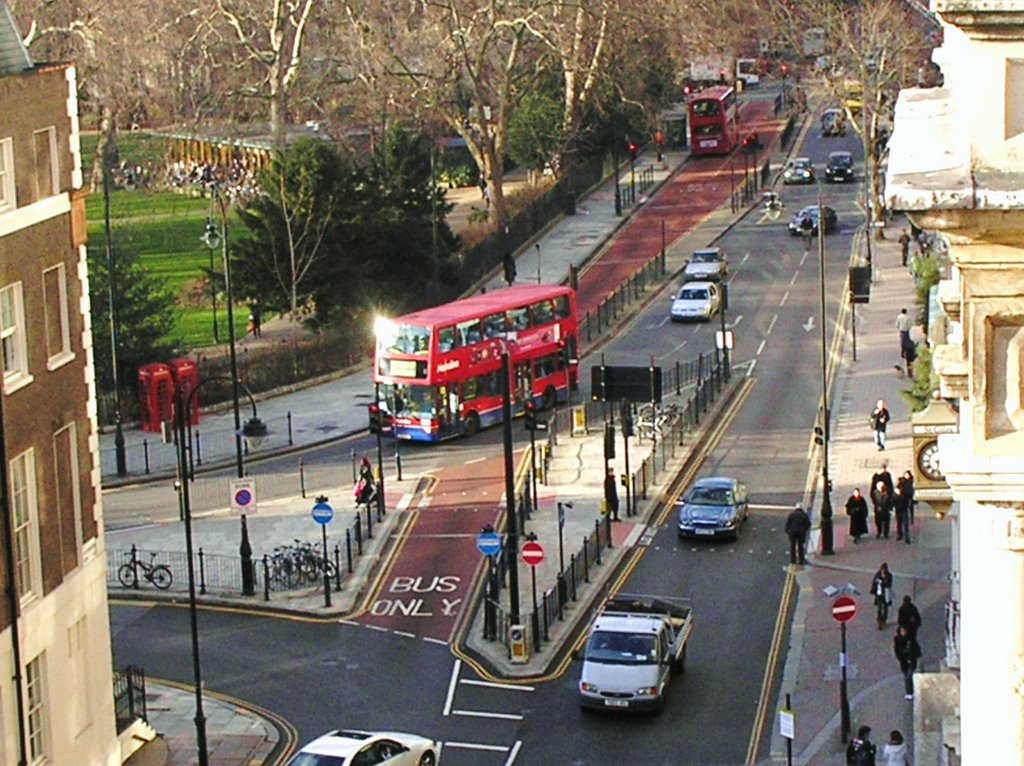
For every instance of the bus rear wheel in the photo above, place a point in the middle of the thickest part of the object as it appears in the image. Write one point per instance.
(472, 424)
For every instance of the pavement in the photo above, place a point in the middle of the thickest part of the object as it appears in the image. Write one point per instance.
(238, 734)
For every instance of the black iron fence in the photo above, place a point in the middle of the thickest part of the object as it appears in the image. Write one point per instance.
(129, 696)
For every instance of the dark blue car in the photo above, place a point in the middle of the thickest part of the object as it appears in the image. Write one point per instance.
(715, 506)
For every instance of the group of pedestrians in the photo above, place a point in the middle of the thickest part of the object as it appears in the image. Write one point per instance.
(887, 499)
(862, 751)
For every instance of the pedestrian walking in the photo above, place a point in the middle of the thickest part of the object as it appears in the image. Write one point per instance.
(881, 589)
(659, 144)
(861, 751)
(256, 317)
(907, 616)
(883, 475)
(857, 510)
(611, 494)
(904, 247)
(881, 499)
(908, 652)
(908, 352)
(901, 509)
(906, 484)
(894, 753)
(904, 324)
(365, 489)
(798, 524)
(880, 418)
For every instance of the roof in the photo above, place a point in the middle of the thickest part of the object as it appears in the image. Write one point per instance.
(715, 481)
(483, 303)
(14, 57)
(715, 92)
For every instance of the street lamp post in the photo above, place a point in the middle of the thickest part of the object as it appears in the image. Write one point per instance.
(537, 246)
(211, 238)
(119, 452)
(512, 539)
(826, 483)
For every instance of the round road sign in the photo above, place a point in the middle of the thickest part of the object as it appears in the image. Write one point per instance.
(488, 543)
(533, 553)
(322, 513)
(843, 609)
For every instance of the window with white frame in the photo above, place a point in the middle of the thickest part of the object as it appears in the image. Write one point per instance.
(7, 195)
(55, 306)
(26, 530)
(45, 144)
(69, 496)
(12, 335)
(35, 710)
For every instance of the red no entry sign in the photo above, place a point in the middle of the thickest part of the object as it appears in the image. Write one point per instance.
(843, 609)
(533, 553)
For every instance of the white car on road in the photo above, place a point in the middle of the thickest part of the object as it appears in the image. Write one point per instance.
(696, 301)
(707, 265)
(346, 747)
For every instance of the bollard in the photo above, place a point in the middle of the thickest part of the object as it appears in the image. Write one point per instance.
(608, 530)
(597, 539)
(202, 574)
(547, 611)
(359, 533)
(562, 595)
(352, 458)
(586, 559)
(198, 448)
(369, 524)
(572, 574)
(337, 568)
(302, 477)
(266, 578)
(135, 569)
(291, 439)
(348, 549)
(145, 450)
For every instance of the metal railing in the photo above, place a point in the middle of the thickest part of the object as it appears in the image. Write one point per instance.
(129, 697)
(652, 274)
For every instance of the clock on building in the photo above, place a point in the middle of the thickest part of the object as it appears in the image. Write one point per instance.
(928, 460)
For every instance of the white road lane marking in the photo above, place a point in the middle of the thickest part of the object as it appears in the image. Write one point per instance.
(795, 275)
(492, 685)
(785, 297)
(761, 348)
(482, 714)
(476, 746)
(771, 324)
(404, 634)
(746, 255)
(438, 641)
(515, 751)
(750, 371)
(404, 502)
(478, 460)
(804, 258)
(451, 687)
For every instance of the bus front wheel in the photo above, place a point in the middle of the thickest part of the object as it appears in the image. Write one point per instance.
(472, 423)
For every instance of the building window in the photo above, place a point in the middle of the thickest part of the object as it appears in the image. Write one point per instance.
(45, 144)
(55, 303)
(35, 712)
(12, 336)
(69, 497)
(26, 535)
(7, 196)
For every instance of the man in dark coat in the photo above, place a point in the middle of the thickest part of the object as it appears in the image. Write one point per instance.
(906, 485)
(798, 524)
(908, 616)
(908, 652)
(857, 510)
(882, 474)
(901, 507)
(611, 494)
(861, 751)
(881, 499)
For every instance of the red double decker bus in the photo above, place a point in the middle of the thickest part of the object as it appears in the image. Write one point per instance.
(714, 120)
(438, 371)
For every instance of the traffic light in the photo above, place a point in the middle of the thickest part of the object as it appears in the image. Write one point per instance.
(633, 148)
(509, 264)
(530, 413)
(626, 416)
(819, 435)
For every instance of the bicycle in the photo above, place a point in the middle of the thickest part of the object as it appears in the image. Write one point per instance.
(158, 574)
(653, 423)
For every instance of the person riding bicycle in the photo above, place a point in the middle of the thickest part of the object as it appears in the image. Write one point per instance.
(365, 488)
(772, 201)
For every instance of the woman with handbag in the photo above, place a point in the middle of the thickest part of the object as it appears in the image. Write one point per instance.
(881, 589)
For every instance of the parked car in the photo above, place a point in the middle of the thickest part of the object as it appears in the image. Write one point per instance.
(811, 211)
(714, 506)
(799, 171)
(353, 748)
(696, 301)
(833, 123)
(839, 168)
(708, 264)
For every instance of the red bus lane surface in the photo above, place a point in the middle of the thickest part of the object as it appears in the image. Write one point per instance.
(429, 580)
(685, 200)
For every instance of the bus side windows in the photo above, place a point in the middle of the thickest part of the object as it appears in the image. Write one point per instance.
(518, 319)
(545, 366)
(542, 313)
(562, 307)
(470, 389)
(469, 332)
(447, 339)
(494, 326)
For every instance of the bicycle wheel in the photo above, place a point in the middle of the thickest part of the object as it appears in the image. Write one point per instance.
(126, 574)
(161, 576)
(332, 571)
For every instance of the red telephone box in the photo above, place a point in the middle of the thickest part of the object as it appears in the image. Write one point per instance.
(185, 375)
(156, 391)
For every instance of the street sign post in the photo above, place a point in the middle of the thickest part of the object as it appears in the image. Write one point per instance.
(322, 514)
(844, 609)
(533, 553)
(243, 496)
(488, 543)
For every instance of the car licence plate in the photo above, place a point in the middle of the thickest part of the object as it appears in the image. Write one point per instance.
(704, 531)
(707, 144)
(617, 703)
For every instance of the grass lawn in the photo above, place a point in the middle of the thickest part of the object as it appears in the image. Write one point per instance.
(165, 228)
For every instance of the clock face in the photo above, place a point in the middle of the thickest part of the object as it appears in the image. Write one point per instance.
(928, 461)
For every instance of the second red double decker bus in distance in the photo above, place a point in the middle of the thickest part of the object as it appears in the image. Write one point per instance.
(714, 120)
(438, 371)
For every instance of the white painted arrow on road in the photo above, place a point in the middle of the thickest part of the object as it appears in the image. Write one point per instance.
(809, 324)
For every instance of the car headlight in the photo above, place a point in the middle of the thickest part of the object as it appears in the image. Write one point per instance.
(647, 691)
(589, 688)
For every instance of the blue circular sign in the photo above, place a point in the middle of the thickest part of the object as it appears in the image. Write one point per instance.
(488, 543)
(322, 513)
(243, 497)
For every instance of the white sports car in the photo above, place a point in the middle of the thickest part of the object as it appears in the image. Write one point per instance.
(346, 747)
